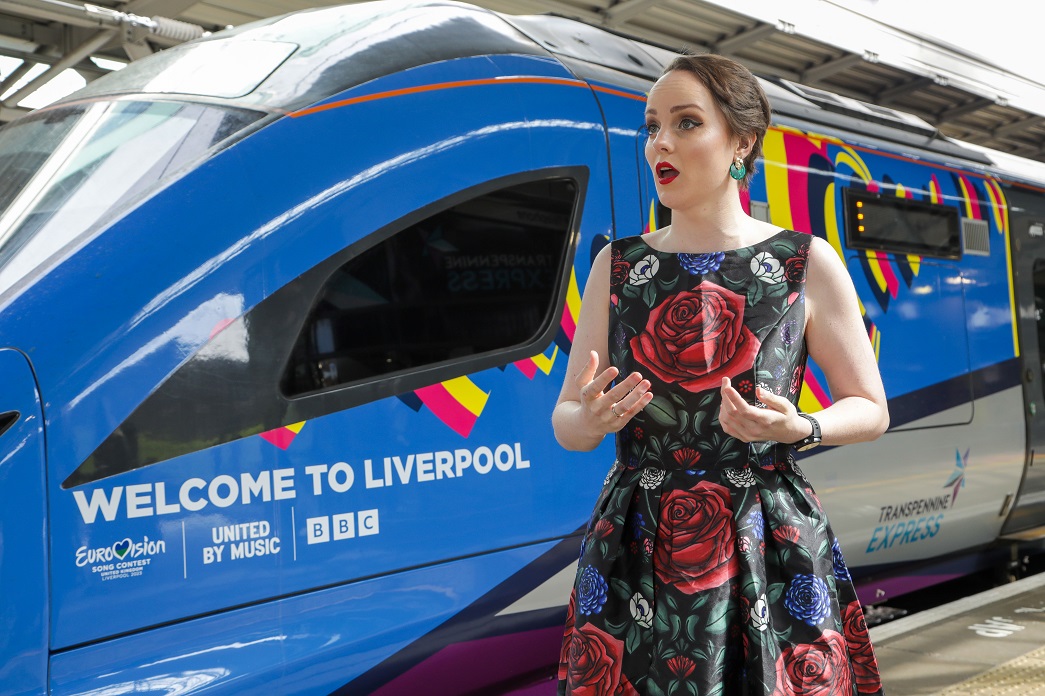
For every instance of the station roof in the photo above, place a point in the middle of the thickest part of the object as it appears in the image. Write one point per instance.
(820, 47)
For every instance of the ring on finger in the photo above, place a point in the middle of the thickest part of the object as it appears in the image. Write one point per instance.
(613, 408)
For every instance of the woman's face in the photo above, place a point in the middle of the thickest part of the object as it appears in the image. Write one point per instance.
(690, 145)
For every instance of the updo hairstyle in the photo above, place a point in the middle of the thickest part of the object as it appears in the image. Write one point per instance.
(738, 95)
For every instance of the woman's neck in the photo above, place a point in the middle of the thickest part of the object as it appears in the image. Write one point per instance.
(710, 228)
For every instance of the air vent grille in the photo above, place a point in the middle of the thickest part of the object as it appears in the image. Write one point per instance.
(760, 211)
(976, 237)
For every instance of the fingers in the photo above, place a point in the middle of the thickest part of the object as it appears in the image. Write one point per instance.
(588, 371)
(776, 403)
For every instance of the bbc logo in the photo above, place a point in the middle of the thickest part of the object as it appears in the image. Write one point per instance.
(349, 525)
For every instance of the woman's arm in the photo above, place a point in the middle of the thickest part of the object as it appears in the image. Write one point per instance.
(837, 341)
(585, 412)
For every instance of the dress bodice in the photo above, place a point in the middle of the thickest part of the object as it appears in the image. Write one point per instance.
(685, 321)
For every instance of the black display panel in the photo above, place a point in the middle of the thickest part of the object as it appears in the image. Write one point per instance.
(901, 225)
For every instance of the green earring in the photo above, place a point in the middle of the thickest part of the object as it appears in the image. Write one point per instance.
(737, 170)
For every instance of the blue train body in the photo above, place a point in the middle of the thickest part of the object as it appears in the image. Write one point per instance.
(215, 475)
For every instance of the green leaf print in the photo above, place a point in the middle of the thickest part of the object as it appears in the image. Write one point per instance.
(719, 617)
(635, 252)
(783, 249)
(777, 290)
(621, 588)
(631, 291)
(693, 627)
(633, 640)
(662, 412)
(653, 690)
(649, 294)
(698, 421)
(754, 293)
(775, 592)
(675, 622)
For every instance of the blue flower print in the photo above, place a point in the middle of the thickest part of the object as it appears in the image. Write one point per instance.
(787, 333)
(808, 600)
(591, 592)
(584, 543)
(757, 523)
(841, 571)
(637, 520)
(699, 264)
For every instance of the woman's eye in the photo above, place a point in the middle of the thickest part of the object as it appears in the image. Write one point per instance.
(651, 128)
(688, 124)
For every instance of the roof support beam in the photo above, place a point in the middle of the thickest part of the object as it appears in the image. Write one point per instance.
(1016, 126)
(831, 67)
(744, 38)
(622, 11)
(70, 59)
(85, 67)
(890, 94)
(963, 109)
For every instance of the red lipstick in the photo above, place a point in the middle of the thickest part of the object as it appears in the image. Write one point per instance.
(666, 173)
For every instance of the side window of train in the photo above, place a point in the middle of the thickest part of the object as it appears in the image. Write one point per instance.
(1039, 310)
(477, 278)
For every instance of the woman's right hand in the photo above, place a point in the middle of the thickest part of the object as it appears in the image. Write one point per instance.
(609, 411)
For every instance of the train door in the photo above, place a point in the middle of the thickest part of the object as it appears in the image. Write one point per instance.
(1027, 224)
(23, 531)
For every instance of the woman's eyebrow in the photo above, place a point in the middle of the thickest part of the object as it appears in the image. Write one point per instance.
(680, 107)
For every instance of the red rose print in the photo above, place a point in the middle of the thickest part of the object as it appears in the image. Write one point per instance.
(786, 534)
(686, 457)
(819, 668)
(564, 653)
(697, 337)
(796, 380)
(696, 539)
(681, 666)
(795, 268)
(865, 667)
(592, 663)
(619, 268)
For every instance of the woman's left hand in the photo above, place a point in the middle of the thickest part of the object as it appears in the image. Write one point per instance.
(778, 421)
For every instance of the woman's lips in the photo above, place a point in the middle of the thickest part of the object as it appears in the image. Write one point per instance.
(666, 173)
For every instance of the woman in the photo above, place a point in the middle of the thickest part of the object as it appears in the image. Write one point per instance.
(708, 566)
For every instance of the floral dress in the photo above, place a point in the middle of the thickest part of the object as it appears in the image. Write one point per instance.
(708, 566)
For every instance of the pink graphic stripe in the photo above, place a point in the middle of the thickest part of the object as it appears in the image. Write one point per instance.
(447, 409)
(280, 437)
(816, 389)
(569, 325)
(891, 280)
(528, 367)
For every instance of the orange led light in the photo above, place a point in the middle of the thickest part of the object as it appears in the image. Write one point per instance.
(860, 228)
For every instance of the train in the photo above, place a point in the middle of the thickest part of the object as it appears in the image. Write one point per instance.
(284, 312)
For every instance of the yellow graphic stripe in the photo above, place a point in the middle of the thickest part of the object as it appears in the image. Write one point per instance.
(876, 270)
(849, 157)
(807, 401)
(653, 215)
(545, 363)
(1004, 207)
(295, 427)
(465, 391)
(775, 165)
(573, 296)
(965, 198)
(915, 263)
(831, 220)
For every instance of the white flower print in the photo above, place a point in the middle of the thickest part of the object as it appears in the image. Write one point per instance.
(767, 268)
(643, 271)
(651, 478)
(609, 474)
(640, 610)
(760, 613)
(740, 477)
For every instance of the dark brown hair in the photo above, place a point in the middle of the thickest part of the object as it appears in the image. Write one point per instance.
(738, 95)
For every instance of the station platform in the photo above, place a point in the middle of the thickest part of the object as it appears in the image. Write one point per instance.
(987, 644)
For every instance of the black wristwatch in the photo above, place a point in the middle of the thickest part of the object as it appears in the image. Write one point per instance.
(813, 439)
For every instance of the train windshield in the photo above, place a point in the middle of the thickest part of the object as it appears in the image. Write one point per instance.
(67, 170)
